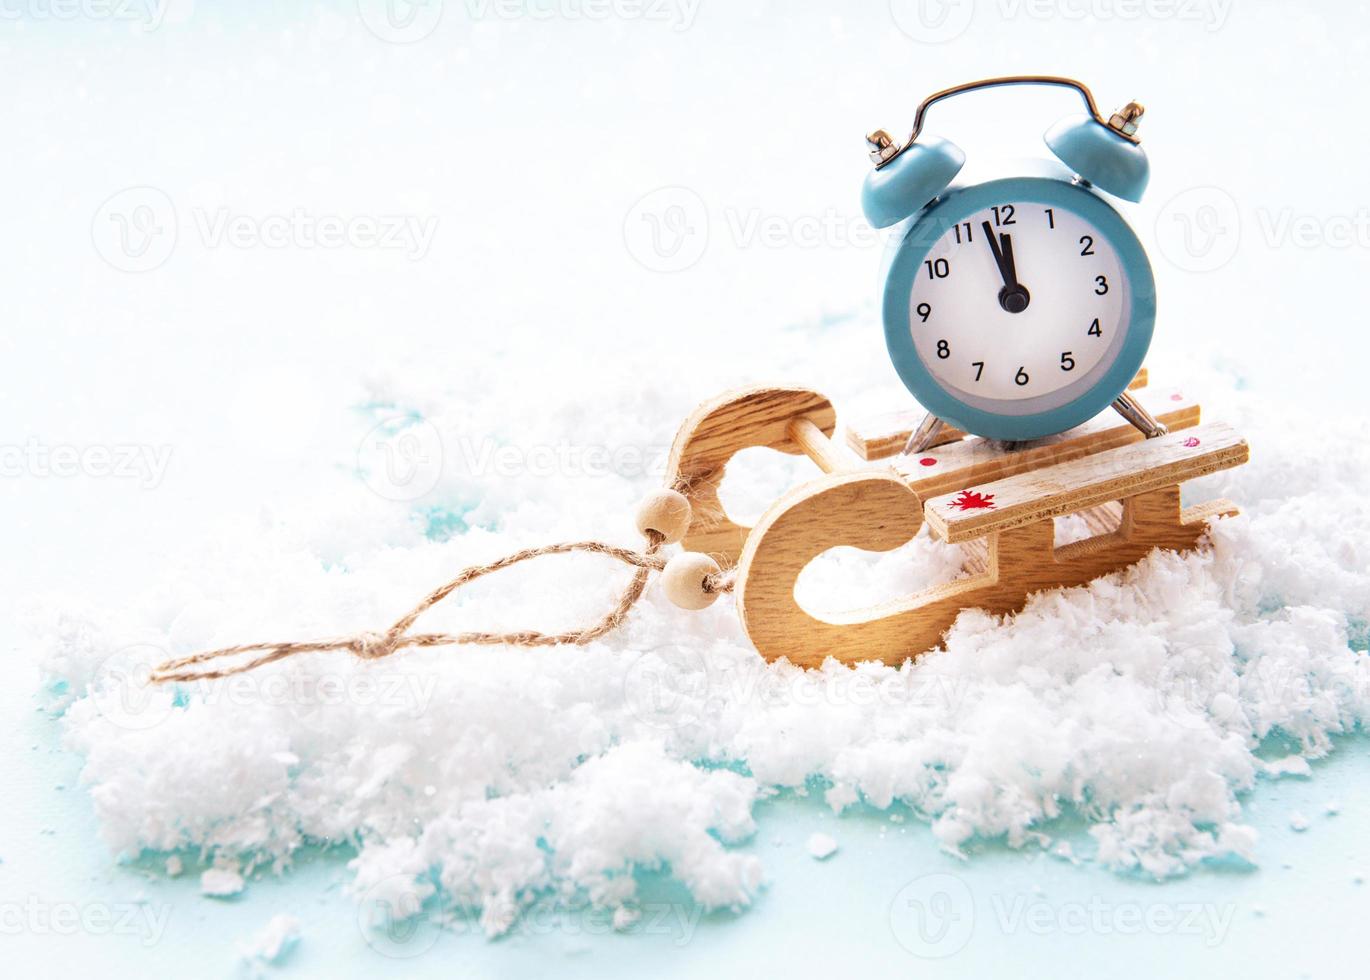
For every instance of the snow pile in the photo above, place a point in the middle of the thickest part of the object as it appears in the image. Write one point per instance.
(486, 779)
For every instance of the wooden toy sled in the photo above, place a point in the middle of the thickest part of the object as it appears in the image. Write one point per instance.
(998, 502)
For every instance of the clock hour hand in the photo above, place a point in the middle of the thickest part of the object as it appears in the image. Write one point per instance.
(1014, 298)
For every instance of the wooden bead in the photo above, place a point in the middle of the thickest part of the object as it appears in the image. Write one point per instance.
(683, 580)
(667, 512)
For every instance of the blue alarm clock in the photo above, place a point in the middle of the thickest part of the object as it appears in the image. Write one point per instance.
(1023, 306)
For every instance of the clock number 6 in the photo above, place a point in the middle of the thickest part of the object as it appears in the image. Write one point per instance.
(1021, 378)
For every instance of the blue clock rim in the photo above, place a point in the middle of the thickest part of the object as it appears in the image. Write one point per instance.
(961, 202)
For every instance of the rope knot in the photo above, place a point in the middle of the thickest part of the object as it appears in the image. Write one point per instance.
(373, 646)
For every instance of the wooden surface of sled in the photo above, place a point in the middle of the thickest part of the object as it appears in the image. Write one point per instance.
(885, 435)
(1130, 496)
(718, 430)
(974, 460)
(1065, 488)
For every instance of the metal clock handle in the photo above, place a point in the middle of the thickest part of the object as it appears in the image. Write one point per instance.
(1123, 122)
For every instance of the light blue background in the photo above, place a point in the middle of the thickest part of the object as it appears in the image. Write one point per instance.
(491, 125)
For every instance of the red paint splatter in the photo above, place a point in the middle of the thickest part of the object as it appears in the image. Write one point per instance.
(1191, 442)
(974, 500)
(1177, 397)
(927, 461)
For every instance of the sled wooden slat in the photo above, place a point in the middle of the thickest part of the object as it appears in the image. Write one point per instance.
(976, 460)
(885, 435)
(1063, 488)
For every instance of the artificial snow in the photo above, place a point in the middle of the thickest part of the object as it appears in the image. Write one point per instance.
(820, 847)
(220, 882)
(1290, 765)
(1142, 706)
(275, 940)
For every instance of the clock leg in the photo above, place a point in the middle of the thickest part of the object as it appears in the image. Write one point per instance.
(1132, 410)
(925, 435)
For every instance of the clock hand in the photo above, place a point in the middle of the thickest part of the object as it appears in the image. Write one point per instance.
(1014, 297)
(995, 247)
(1006, 250)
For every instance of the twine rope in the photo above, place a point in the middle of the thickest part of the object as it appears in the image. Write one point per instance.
(376, 646)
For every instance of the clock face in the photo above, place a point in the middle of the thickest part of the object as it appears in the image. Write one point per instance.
(1018, 306)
